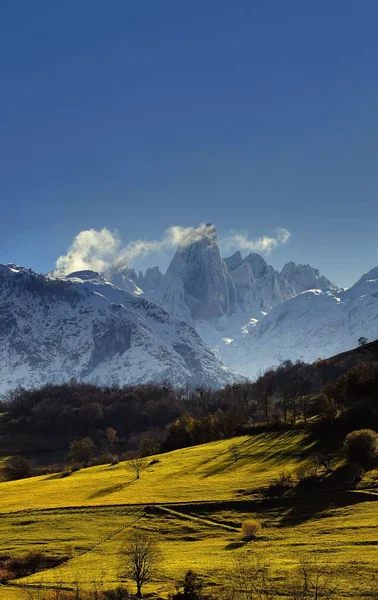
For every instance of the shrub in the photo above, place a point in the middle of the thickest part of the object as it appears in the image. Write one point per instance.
(191, 588)
(17, 467)
(104, 459)
(280, 485)
(250, 529)
(30, 563)
(120, 593)
(361, 446)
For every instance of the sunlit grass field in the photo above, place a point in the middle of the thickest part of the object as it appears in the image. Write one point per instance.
(200, 497)
(204, 472)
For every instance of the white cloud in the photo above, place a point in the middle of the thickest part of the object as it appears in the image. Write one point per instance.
(264, 244)
(173, 236)
(90, 249)
(99, 250)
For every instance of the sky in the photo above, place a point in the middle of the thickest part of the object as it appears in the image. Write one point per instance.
(258, 116)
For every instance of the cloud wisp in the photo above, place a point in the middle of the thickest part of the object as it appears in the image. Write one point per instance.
(264, 244)
(99, 250)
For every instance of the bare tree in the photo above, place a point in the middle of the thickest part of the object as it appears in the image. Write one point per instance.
(312, 580)
(235, 452)
(141, 557)
(137, 464)
(251, 579)
(265, 387)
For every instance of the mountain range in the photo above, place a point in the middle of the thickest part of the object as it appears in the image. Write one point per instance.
(253, 316)
(84, 327)
(207, 321)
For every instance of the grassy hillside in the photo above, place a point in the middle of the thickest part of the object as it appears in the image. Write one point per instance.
(194, 500)
(205, 472)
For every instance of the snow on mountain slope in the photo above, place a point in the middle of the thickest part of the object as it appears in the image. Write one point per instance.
(315, 323)
(85, 327)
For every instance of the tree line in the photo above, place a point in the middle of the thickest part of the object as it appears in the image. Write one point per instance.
(146, 419)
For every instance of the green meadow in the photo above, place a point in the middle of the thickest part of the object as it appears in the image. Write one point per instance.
(193, 501)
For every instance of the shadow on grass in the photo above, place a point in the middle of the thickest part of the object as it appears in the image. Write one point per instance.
(335, 491)
(273, 447)
(235, 545)
(61, 475)
(109, 490)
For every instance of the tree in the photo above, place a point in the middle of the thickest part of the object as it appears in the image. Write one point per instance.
(137, 464)
(235, 452)
(111, 437)
(82, 451)
(361, 446)
(311, 580)
(141, 556)
(252, 579)
(17, 467)
(192, 588)
(362, 341)
(265, 386)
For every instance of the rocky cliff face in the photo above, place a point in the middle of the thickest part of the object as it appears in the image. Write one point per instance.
(85, 327)
(201, 286)
(305, 277)
(197, 284)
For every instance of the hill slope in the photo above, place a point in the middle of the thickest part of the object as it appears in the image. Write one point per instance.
(200, 498)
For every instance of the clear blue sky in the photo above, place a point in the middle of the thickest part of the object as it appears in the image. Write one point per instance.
(138, 115)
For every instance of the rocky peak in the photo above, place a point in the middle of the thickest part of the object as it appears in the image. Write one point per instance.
(85, 275)
(198, 278)
(124, 278)
(151, 280)
(234, 261)
(258, 264)
(304, 277)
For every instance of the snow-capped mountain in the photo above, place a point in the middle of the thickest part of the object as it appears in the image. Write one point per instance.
(253, 316)
(82, 326)
(250, 315)
(315, 323)
(202, 286)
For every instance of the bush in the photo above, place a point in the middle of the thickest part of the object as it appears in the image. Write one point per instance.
(191, 588)
(30, 563)
(104, 459)
(120, 593)
(250, 529)
(17, 467)
(361, 446)
(280, 485)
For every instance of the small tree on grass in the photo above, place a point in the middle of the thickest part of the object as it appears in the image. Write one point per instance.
(81, 451)
(251, 579)
(137, 464)
(361, 446)
(250, 529)
(191, 588)
(311, 579)
(141, 556)
(235, 452)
